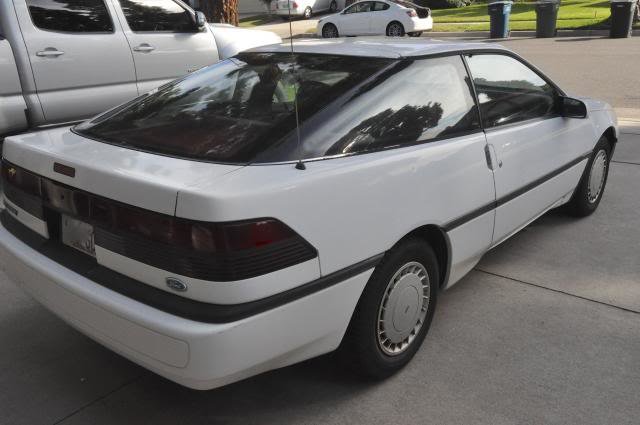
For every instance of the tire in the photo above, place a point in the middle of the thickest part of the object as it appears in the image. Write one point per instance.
(307, 13)
(636, 15)
(395, 29)
(329, 31)
(333, 7)
(367, 346)
(594, 179)
(414, 34)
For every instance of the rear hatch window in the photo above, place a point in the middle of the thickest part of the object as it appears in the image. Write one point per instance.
(234, 111)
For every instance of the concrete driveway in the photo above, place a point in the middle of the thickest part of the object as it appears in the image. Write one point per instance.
(545, 330)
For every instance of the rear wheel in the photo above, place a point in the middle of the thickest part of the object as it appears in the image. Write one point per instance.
(394, 312)
(329, 31)
(395, 29)
(307, 13)
(589, 192)
(333, 7)
(415, 34)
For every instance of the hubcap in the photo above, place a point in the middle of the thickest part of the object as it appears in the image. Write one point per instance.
(395, 30)
(403, 308)
(597, 175)
(330, 31)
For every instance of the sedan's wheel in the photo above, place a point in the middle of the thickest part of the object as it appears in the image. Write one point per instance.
(589, 192)
(395, 29)
(333, 6)
(307, 13)
(415, 34)
(329, 31)
(394, 312)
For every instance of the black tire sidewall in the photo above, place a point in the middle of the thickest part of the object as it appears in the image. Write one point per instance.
(333, 6)
(361, 338)
(579, 204)
(329, 25)
(307, 13)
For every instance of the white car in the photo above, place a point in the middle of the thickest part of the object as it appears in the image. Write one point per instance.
(379, 17)
(305, 8)
(199, 232)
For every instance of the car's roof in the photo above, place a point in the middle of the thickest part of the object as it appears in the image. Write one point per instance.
(383, 47)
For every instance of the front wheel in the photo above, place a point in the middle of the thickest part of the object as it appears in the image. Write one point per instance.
(394, 312)
(395, 29)
(333, 7)
(329, 31)
(415, 34)
(588, 194)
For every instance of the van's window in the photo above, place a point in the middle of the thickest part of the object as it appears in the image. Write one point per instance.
(236, 110)
(157, 16)
(509, 91)
(70, 15)
(413, 102)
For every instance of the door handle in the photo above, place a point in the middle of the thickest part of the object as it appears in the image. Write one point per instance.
(491, 157)
(50, 52)
(144, 47)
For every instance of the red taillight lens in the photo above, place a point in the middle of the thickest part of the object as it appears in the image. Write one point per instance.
(294, 5)
(412, 13)
(218, 251)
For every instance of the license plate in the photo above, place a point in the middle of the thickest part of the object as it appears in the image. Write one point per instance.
(79, 235)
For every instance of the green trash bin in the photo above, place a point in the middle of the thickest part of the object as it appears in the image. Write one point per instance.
(546, 16)
(622, 12)
(499, 12)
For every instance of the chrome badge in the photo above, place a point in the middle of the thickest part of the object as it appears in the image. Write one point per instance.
(176, 284)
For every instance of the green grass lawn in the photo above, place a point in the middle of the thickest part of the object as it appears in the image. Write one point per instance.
(526, 11)
(253, 21)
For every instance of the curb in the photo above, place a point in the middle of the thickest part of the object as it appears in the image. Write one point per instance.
(514, 34)
(629, 126)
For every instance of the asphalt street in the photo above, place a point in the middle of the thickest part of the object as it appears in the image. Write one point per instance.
(546, 329)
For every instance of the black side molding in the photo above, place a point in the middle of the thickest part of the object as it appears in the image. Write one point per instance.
(166, 301)
(512, 195)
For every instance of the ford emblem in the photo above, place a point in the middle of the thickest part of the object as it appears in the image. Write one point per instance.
(176, 284)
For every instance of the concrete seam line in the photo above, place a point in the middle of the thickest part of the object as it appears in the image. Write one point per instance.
(558, 291)
(102, 397)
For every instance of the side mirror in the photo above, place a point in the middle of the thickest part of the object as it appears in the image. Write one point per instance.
(572, 108)
(200, 20)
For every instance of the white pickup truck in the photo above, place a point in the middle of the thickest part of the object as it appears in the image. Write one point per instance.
(62, 61)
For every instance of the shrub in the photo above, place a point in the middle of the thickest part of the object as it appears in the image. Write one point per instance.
(443, 4)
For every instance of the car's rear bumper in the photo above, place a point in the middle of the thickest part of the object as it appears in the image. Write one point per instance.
(194, 354)
(420, 24)
(285, 12)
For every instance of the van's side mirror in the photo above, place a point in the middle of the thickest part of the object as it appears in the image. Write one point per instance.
(200, 20)
(572, 108)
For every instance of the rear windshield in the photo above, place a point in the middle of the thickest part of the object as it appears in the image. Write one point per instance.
(234, 111)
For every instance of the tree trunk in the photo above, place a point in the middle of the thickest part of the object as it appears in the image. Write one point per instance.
(222, 11)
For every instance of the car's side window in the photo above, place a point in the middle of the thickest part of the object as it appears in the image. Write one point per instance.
(157, 16)
(77, 16)
(416, 101)
(378, 6)
(509, 91)
(366, 6)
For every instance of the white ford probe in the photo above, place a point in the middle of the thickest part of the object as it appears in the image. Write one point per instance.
(190, 231)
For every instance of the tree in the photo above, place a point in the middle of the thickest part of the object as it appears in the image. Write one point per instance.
(223, 11)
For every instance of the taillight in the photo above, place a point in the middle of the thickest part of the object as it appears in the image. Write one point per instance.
(294, 5)
(217, 251)
(412, 13)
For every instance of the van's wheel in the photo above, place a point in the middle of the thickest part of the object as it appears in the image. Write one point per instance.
(333, 7)
(588, 194)
(307, 13)
(394, 312)
(414, 34)
(329, 31)
(395, 29)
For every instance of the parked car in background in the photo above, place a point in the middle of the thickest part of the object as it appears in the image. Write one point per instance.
(305, 8)
(200, 232)
(379, 17)
(66, 60)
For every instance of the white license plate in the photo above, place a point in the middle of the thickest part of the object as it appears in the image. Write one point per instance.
(79, 235)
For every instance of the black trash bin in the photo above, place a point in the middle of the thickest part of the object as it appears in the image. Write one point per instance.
(622, 12)
(499, 13)
(546, 16)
